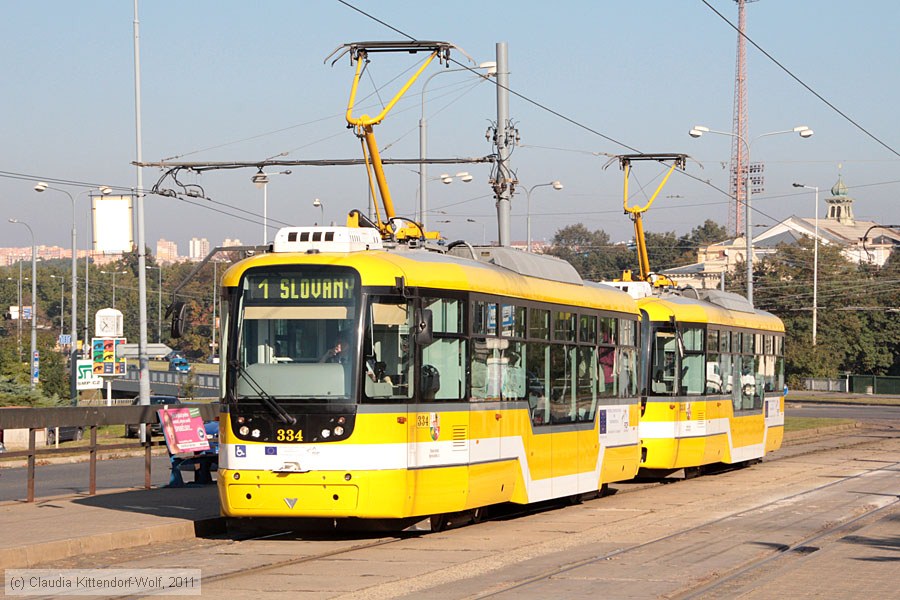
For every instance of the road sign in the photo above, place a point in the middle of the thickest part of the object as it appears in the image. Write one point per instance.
(65, 339)
(86, 379)
(131, 350)
(36, 367)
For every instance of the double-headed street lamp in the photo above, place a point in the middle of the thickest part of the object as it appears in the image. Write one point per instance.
(261, 179)
(698, 131)
(815, 306)
(33, 300)
(556, 185)
(491, 68)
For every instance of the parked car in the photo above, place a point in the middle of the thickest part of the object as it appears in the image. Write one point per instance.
(66, 434)
(172, 355)
(132, 430)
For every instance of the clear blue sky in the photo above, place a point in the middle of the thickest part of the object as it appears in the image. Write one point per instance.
(219, 77)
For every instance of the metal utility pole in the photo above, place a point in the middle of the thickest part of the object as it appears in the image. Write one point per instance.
(504, 138)
(143, 359)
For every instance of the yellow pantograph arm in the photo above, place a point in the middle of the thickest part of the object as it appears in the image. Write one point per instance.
(640, 209)
(366, 120)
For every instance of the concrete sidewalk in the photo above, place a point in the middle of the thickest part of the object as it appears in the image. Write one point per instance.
(54, 529)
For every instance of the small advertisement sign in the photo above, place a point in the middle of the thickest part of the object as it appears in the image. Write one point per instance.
(184, 430)
(86, 380)
(106, 363)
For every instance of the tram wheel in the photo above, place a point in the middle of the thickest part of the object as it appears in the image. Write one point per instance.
(692, 472)
(438, 523)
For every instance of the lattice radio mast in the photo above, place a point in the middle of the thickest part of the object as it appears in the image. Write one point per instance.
(740, 128)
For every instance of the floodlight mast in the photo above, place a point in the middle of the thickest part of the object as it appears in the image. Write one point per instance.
(635, 212)
(363, 127)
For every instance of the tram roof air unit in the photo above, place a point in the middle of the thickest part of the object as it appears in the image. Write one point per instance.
(326, 239)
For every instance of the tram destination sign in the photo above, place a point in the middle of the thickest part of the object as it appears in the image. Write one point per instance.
(301, 286)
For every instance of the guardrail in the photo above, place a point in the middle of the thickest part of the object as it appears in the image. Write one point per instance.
(90, 418)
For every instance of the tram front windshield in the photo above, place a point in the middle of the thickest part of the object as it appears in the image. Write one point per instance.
(297, 334)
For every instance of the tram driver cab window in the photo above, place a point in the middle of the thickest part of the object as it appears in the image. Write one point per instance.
(387, 352)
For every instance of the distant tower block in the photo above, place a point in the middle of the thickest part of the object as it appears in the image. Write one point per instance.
(739, 158)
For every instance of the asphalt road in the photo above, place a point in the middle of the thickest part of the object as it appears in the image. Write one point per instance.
(860, 412)
(74, 478)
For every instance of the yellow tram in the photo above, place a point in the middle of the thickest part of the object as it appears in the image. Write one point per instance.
(462, 380)
(371, 372)
(712, 375)
(713, 381)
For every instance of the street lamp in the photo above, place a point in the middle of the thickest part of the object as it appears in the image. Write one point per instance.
(697, 131)
(483, 234)
(158, 305)
(318, 204)
(33, 299)
(40, 187)
(62, 303)
(261, 180)
(113, 273)
(815, 306)
(491, 68)
(557, 185)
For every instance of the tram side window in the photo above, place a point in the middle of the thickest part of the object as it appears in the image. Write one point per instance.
(628, 373)
(484, 318)
(446, 314)
(609, 372)
(564, 326)
(444, 370)
(714, 380)
(513, 381)
(486, 367)
(386, 353)
(537, 381)
(562, 393)
(779, 362)
(693, 363)
(586, 383)
(665, 350)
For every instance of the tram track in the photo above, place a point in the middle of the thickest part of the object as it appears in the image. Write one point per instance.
(776, 553)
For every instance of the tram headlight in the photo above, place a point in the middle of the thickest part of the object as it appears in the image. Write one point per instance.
(255, 433)
(341, 421)
(244, 430)
(326, 433)
(338, 430)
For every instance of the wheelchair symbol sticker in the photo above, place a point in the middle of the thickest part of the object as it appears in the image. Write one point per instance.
(240, 451)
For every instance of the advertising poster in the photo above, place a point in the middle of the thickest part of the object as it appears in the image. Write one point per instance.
(184, 430)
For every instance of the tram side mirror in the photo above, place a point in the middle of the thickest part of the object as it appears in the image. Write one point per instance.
(178, 312)
(424, 331)
(430, 382)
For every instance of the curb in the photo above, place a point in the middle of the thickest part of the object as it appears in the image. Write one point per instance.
(32, 555)
(792, 437)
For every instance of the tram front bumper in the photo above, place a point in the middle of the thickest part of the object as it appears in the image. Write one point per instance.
(331, 494)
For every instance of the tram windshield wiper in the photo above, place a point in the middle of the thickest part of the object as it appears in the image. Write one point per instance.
(267, 400)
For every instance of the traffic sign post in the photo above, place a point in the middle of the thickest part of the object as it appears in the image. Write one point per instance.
(36, 367)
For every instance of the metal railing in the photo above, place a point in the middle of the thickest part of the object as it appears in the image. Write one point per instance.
(89, 418)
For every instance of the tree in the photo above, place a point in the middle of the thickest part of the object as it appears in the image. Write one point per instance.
(591, 252)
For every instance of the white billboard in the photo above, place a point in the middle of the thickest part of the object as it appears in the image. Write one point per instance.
(112, 224)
